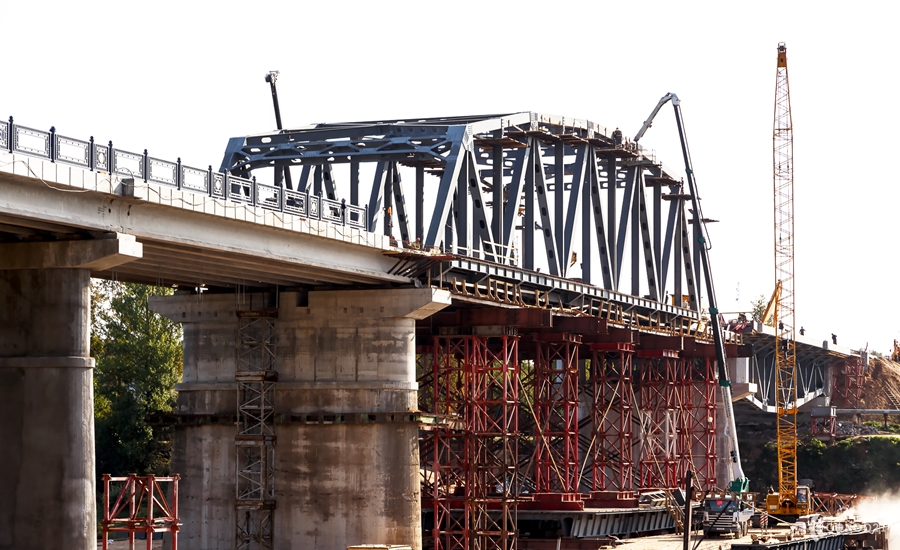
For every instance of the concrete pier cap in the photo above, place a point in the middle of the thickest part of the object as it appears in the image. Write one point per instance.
(346, 452)
(47, 490)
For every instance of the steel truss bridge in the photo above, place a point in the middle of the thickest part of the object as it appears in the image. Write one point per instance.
(575, 368)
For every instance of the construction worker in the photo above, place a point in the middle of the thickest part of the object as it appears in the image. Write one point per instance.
(617, 137)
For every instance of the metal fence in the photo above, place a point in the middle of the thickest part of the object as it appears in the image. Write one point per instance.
(140, 166)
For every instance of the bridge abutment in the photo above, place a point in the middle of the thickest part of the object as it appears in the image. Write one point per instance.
(47, 490)
(346, 458)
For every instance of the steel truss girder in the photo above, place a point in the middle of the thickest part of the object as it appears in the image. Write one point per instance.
(541, 173)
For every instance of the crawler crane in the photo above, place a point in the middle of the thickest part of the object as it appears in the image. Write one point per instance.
(790, 499)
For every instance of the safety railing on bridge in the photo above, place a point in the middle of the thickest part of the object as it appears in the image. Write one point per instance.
(140, 166)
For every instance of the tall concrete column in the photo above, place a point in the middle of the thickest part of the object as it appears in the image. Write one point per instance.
(346, 455)
(47, 485)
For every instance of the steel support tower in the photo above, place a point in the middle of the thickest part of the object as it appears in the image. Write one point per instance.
(493, 425)
(785, 345)
(658, 418)
(446, 448)
(697, 444)
(255, 440)
(609, 449)
(556, 415)
(848, 383)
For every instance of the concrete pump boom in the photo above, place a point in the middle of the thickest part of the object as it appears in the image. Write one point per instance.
(737, 482)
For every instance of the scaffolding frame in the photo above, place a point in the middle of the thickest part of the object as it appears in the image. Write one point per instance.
(556, 415)
(849, 378)
(493, 428)
(657, 375)
(255, 441)
(697, 441)
(609, 451)
(447, 446)
(140, 507)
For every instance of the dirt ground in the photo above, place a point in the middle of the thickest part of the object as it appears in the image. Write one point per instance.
(675, 542)
(882, 378)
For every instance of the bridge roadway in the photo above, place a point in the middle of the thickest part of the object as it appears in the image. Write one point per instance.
(347, 299)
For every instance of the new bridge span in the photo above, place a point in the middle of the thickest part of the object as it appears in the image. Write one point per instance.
(534, 303)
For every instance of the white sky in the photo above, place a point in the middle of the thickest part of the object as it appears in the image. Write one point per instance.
(180, 78)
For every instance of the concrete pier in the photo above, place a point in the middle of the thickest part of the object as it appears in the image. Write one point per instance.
(47, 486)
(346, 453)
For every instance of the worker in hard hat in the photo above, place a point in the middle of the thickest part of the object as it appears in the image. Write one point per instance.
(617, 137)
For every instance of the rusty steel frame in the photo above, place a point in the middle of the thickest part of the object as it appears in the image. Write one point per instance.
(848, 383)
(143, 501)
(697, 441)
(493, 426)
(447, 446)
(657, 410)
(608, 446)
(556, 415)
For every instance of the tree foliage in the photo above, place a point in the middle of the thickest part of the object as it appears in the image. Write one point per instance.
(759, 307)
(138, 362)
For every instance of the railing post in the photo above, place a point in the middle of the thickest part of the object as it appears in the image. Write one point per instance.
(178, 174)
(253, 191)
(10, 134)
(210, 184)
(111, 159)
(343, 211)
(227, 189)
(146, 167)
(91, 159)
(53, 144)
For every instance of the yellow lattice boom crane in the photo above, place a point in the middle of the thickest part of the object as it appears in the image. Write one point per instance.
(790, 499)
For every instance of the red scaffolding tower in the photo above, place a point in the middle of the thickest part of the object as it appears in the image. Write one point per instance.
(609, 447)
(657, 373)
(493, 426)
(849, 376)
(556, 414)
(697, 423)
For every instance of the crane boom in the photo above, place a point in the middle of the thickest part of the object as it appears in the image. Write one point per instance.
(789, 500)
(737, 482)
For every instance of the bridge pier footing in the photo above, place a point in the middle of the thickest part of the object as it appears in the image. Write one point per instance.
(346, 451)
(47, 486)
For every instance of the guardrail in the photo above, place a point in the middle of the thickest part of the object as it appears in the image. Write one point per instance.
(106, 158)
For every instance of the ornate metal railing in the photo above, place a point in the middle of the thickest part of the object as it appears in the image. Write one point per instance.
(140, 166)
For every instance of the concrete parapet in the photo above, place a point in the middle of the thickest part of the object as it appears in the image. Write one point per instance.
(341, 356)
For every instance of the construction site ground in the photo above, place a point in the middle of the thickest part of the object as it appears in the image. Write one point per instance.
(675, 542)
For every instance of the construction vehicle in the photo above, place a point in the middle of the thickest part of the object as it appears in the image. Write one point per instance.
(790, 500)
(737, 482)
(727, 513)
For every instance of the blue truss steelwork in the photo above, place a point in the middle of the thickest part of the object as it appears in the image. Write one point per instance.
(608, 214)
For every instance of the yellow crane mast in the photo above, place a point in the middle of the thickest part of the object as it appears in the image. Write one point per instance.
(790, 499)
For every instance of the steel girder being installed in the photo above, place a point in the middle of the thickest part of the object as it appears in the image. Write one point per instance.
(525, 190)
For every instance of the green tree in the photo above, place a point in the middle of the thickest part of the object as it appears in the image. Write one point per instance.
(138, 362)
(759, 307)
